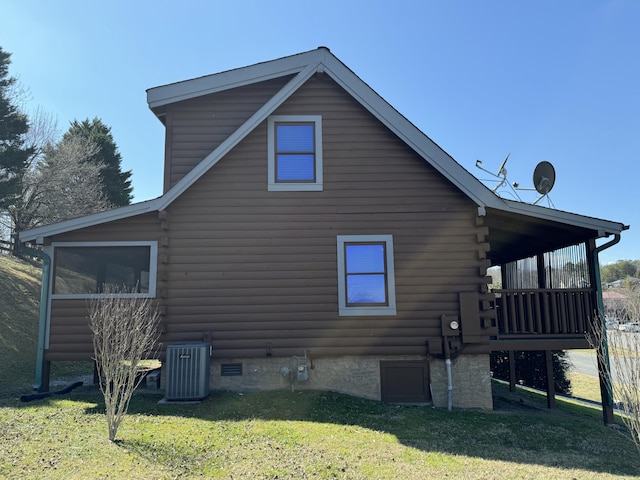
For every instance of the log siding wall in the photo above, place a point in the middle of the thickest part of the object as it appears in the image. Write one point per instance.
(69, 334)
(255, 271)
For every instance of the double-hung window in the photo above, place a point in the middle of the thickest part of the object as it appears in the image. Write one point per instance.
(366, 281)
(295, 152)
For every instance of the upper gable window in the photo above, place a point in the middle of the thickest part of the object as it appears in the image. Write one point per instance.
(295, 153)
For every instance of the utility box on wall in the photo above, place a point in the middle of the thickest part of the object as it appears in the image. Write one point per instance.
(188, 366)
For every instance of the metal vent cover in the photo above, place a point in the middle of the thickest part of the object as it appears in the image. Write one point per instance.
(230, 369)
(188, 366)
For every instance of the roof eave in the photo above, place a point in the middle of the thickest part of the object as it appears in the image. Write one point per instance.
(603, 227)
(38, 234)
(175, 92)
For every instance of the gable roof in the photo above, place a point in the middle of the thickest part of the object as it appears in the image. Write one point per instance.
(304, 65)
(301, 67)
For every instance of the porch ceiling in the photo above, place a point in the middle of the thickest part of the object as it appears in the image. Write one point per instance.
(513, 236)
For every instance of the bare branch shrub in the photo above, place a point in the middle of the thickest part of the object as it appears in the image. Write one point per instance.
(619, 354)
(125, 332)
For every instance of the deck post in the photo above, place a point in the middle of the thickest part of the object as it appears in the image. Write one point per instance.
(602, 350)
(605, 389)
(44, 375)
(551, 394)
(512, 371)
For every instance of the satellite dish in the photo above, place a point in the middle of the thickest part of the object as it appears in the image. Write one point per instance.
(502, 170)
(544, 176)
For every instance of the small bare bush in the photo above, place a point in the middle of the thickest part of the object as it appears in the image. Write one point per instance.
(619, 353)
(125, 332)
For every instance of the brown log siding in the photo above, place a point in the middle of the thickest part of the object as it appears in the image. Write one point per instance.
(70, 337)
(255, 271)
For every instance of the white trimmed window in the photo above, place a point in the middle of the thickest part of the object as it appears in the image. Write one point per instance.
(85, 269)
(366, 280)
(295, 152)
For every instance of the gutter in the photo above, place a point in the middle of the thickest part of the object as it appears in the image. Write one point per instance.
(44, 307)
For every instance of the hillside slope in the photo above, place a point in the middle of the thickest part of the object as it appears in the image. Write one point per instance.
(19, 313)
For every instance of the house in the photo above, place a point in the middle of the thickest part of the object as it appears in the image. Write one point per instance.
(615, 307)
(317, 239)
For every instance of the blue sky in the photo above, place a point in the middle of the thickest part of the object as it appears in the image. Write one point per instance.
(544, 81)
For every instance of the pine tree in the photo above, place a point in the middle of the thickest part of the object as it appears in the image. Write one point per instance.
(14, 154)
(116, 184)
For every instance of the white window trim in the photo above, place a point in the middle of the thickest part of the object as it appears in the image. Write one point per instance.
(343, 309)
(153, 268)
(273, 186)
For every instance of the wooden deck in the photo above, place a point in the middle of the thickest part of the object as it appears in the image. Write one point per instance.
(543, 319)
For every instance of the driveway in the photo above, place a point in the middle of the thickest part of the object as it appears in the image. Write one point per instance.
(584, 363)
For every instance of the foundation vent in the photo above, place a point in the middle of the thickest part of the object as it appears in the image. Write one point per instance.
(231, 370)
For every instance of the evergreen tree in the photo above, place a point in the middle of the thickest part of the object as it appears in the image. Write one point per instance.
(531, 369)
(14, 154)
(116, 184)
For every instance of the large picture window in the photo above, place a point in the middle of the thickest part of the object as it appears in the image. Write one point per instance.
(366, 280)
(295, 152)
(86, 269)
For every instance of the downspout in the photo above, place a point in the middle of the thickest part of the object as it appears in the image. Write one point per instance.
(447, 362)
(44, 307)
(608, 397)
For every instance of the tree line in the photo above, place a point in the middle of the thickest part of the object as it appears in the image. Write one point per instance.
(620, 270)
(46, 178)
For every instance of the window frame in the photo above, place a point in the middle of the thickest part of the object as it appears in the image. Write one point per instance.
(153, 268)
(293, 185)
(344, 309)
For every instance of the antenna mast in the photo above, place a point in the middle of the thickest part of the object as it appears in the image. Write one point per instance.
(544, 177)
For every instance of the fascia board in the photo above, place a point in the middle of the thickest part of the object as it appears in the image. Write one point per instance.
(175, 92)
(604, 227)
(410, 134)
(89, 220)
(216, 155)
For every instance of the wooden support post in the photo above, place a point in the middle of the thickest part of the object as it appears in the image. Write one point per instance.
(46, 376)
(602, 350)
(512, 371)
(606, 393)
(551, 393)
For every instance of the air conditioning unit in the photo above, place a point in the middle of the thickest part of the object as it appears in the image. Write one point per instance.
(187, 376)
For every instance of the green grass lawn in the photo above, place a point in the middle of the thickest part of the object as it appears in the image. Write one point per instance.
(19, 315)
(288, 435)
(19, 304)
(585, 386)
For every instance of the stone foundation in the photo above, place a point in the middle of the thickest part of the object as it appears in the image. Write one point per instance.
(471, 381)
(357, 376)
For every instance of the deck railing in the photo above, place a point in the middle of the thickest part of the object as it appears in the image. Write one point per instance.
(544, 312)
